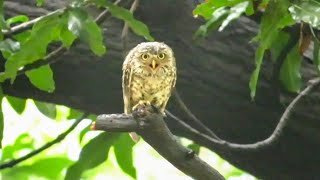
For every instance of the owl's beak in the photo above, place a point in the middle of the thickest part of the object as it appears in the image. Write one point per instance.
(154, 64)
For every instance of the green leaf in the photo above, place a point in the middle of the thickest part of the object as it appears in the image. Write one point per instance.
(1, 118)
(213, 23)
(50, 167)
(207, 8)
(306, 11)
(67, 37)
(23, 142)
(93, 154)
(123, 152)
(234, 13)
(83, 132)
(47, 109)
(290, 71)
(316, 51)
(194, 147)
(83, 26)
(255, 75)
(273, 20)
(74, 114)
(17, 19)
(17, 104)
(42, 78)
(35, 47)
(137, 27)
(8, 45)
(40, 2)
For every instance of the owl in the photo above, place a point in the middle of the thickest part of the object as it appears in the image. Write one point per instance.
(149, 75)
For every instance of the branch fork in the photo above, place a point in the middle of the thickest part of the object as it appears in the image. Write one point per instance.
(148, 122)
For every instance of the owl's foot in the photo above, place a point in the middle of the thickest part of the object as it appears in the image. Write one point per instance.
(141, 103)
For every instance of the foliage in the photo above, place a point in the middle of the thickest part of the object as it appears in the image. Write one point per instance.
(276, 17)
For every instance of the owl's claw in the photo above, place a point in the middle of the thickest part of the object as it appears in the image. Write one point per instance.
(141, 103)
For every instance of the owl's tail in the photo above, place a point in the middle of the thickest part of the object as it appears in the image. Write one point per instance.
(134, 136)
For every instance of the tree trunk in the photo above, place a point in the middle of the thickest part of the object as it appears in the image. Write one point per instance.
(213, 77)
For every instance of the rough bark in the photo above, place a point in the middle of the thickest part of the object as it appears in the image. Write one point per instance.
(213, 76)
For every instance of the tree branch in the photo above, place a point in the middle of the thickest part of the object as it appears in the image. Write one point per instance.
(28, 25)
(271, 140)
(14, 162)
(149, 124)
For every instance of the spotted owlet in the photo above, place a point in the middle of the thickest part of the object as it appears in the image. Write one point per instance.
(149, 75)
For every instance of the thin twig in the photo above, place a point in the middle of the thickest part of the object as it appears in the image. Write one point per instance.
(28, 25)
(125, 29)
(192, 116)
(271, 140)
(14, 162)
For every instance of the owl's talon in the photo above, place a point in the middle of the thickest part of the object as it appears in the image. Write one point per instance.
(142, 104)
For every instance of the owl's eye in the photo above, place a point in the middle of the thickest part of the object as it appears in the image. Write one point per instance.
(161, 55)
(144, 56)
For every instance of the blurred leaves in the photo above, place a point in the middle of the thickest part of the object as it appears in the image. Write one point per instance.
(93, 154)
(42, 78)
(17, 104)
(22, 143)
(47, 109)
(307, 11)
(123, 152)
(49, 168)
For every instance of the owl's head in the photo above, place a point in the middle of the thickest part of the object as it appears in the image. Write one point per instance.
(153, 55)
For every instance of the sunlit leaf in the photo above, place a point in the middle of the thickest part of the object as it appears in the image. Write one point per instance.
(17, 104)
(67, 37)
(83, 132)
(213, 23)
(8, 45)
(84, 26)
(234, 13)
(74, 114)
(42, 78)
(220, 13)
(23, 142)
(123, 152)
(273, 20)
(17, 19)
(137, 27)
(290, 71)
(50, 167)
(46, 109)
(93, 154)
(306, 11)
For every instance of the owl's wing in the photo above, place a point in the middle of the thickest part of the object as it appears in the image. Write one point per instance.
(126, 83)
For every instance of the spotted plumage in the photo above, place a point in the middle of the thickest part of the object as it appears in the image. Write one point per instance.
(149, 75)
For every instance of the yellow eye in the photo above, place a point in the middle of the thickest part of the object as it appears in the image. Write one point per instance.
(144, 56)
(161, 56)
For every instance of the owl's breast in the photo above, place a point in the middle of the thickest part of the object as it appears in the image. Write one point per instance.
(147, 85)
